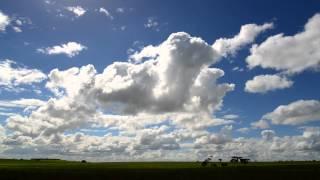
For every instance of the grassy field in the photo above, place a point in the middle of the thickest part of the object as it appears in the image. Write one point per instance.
(66, 170)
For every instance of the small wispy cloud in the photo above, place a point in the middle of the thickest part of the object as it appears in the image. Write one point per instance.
(231, 116)
(120, 10)
(17, 29)
(122, 28)
(105, 12)
(152, 24)
(70, 49)
(4, 21)
(13, 75)
(243, 130)
(238, 69)
(77, 10)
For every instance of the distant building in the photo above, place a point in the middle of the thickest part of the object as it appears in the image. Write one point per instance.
(244, 161)
(237, 159)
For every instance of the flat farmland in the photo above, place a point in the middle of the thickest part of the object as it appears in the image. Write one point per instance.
(59, 169)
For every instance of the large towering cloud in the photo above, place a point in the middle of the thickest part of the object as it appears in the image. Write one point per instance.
(177, 80)
(162, 99)
(170, 81)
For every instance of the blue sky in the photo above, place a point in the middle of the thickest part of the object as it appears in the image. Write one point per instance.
(62, 85)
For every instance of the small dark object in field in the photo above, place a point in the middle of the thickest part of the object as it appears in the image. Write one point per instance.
(205, 162)
(224, 164)
(213, 165)
(83, 161)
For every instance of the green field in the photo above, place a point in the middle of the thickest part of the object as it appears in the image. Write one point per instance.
(58, 169)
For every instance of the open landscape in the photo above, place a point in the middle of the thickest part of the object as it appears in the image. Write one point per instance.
(159, 89)
(59, 169)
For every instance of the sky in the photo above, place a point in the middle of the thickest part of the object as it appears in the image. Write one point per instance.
(139, 80)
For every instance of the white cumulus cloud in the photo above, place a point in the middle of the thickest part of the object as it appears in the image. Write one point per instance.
(292, 54)
(268, 134)
(265, 83)
(261, 124)
(70, 49)
(77, 10)
(295, 113)
(13, 75)
(177, 86)
(4, 21)
(152, 106)
(247, 35)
